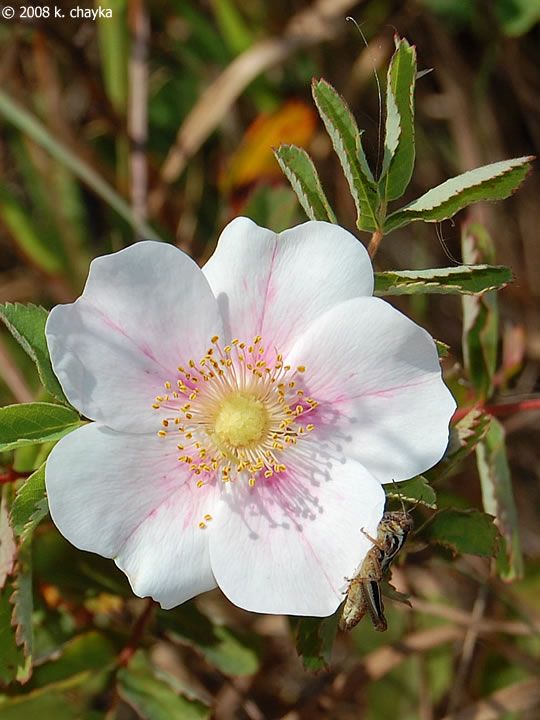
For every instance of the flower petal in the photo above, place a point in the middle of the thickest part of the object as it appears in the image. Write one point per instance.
(377, 378)
(276, 285)
(288, 545)
(144, 311)
(126, 496)
(167, 556)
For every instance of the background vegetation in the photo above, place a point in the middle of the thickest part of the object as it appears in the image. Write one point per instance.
(159, 122)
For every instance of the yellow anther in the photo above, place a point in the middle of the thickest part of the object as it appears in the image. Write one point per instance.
(200, 483)
(162, 433)
(214, 339)
(156, 406)
(208, 518)
(252, 481)
(165, 423)
(310, 427)
(268, 473)
(202, 525)
(167, 385)
(301, 369)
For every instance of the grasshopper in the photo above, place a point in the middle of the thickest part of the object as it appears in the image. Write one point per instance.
(364, 591)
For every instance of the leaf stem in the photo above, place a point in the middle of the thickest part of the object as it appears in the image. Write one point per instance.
(374, 243)
(500, 410)
(137, 634)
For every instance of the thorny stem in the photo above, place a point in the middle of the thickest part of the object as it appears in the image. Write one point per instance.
(137, 634)
(374, 243)
(500, 410)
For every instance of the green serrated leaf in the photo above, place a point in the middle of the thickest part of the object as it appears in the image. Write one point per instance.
(464, 437)
(300, 171)
(8, 544)
(480, 316)
(347, 141)
(23, 602)
(498, 496)
(32, 423)
(30, 505)
(232, 652)
(462, 531)
(400, 152)
(153, 698)
(490, 182)
(13, 664)
(417, 489)
(463, 280)
(391, 134)
(27, 325)
(315, 640)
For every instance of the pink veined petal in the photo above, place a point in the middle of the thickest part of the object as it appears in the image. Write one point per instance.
(144, 311)
(276, 285)
(289, 544)
(167, 556)
(126, 497)
(377, 378)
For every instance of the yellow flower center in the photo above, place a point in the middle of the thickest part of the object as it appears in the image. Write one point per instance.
(241, 421)
(235, 412)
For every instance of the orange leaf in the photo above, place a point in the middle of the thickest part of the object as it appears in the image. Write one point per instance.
(293, 123)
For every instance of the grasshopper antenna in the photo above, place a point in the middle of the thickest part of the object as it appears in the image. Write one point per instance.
(394, 483)
(442, 241)
(379, 93)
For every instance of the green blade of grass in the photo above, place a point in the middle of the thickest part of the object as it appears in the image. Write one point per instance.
(27, 123)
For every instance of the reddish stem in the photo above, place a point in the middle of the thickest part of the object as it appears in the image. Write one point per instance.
(11, 475)
(374, 243)
(138, 631)
(500, 410)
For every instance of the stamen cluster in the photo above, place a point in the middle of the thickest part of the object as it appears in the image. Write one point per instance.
(236, 411)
